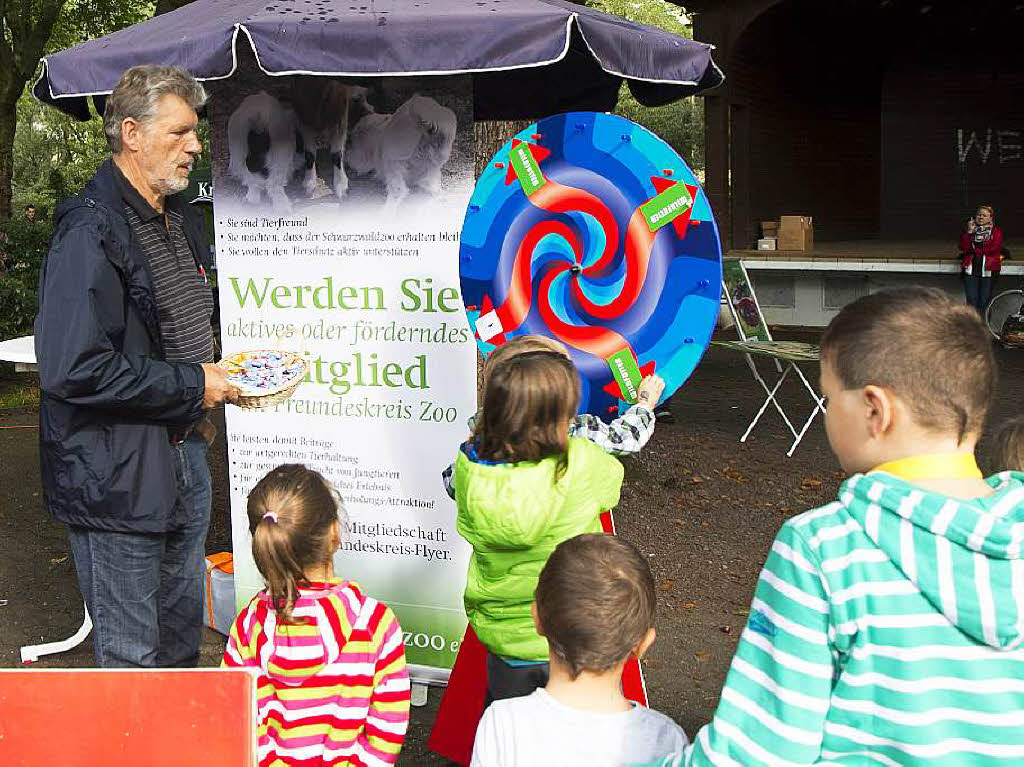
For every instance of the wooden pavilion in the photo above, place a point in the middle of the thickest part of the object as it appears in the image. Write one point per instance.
(888, 121)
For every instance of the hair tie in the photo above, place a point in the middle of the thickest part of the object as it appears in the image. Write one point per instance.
(271, 516)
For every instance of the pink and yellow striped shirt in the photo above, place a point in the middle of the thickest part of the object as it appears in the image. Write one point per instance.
(333, 686)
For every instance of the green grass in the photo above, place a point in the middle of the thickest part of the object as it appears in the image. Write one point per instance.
(19, 393)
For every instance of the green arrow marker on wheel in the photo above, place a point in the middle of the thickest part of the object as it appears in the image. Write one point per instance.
(626, 373)
(667, 206)
(526, 169)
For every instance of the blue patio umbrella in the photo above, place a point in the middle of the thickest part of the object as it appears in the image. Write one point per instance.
(528, 57)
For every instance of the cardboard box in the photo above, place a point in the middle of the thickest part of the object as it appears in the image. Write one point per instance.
(769, 229)
(767, 243)
(796, 233)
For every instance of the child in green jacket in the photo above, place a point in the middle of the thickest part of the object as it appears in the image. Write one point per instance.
(522, 487)
(626, 435)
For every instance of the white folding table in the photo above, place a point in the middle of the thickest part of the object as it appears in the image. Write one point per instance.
(20, 351)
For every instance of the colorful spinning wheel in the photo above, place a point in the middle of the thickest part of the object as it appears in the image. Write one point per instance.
(590, 229)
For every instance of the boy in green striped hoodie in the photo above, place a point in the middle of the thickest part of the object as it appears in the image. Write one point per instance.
(887, 627)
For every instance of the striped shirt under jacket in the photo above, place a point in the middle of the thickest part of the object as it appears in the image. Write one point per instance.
(184, 298)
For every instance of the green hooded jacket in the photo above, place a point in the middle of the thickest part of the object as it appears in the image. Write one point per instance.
(887, 628)
(514, 514)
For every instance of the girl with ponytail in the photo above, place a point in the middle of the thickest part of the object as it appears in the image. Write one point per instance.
(333, 683)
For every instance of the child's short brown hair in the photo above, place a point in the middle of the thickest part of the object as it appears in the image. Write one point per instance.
(529, 400)
(595, 602)
(522, 345)
(1008, 446)
(929, 349)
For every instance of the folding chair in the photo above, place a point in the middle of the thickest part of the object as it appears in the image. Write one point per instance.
(756, 339)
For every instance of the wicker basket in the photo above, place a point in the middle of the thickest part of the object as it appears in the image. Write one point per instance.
(269, 397)
(1013, 330)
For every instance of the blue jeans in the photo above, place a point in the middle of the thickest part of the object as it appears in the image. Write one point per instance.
(512, 680)
(978, 290)
(145, 591)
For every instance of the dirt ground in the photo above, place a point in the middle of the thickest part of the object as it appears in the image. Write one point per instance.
(701, 505)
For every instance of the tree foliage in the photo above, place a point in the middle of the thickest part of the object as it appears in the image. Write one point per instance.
(49, 152)
(25, 27)
(54, 155)
(83, 20)
(680, 124)
(22, 247)
(165, 6)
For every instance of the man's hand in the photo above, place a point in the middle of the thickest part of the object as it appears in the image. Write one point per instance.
(218, 390)
(650, 391)
(970, 225)
(207, 430)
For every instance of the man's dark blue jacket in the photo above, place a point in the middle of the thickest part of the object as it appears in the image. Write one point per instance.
(108, 397)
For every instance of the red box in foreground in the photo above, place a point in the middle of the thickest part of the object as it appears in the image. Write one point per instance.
(115, 717)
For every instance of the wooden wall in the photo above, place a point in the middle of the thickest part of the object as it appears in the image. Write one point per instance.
(852, 116)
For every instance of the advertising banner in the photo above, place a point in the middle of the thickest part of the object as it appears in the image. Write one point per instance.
(338, 209)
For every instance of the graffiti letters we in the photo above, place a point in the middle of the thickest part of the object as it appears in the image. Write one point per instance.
(999, 145)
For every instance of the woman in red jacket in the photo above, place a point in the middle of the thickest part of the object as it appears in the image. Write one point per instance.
(980, 245)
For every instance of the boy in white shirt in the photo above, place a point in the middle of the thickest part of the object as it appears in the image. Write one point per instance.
(595, 605)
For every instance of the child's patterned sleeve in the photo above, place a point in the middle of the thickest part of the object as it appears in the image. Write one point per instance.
(240, 650)
(448, 478)
(388, 716)
(626, 435)
(448, 475)
(776, 695)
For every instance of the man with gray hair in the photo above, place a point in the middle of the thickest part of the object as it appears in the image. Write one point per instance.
(125, 349)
